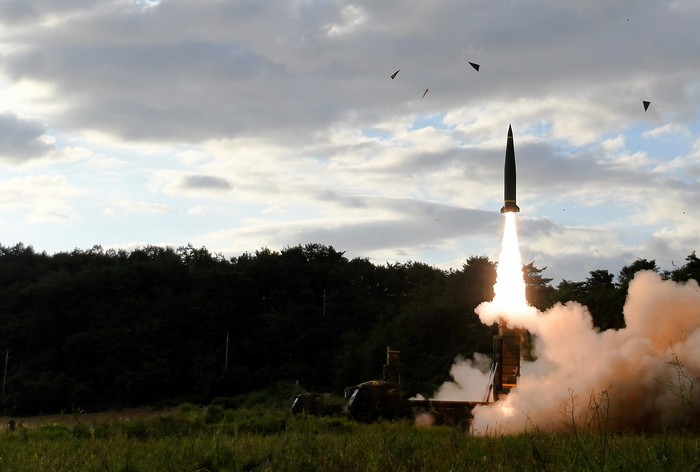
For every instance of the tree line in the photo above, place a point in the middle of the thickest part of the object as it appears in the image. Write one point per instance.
(97, 329)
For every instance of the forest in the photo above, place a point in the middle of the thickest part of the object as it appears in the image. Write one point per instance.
(98, 329)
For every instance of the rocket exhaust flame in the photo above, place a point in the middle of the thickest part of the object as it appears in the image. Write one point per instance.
(510, 286)
(509, 300)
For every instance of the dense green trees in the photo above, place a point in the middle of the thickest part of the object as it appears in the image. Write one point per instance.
(94, 329)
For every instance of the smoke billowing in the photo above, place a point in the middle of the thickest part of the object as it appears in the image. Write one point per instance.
(640, 378)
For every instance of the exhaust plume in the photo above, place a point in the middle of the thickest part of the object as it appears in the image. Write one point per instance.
(641, 378)
(509, 302)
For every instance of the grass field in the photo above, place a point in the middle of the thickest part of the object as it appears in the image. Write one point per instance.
(192, 438)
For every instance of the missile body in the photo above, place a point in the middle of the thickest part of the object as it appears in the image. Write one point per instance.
(509, 177)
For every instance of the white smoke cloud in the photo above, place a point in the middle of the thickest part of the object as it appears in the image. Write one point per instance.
(471, 377)
(643, 377)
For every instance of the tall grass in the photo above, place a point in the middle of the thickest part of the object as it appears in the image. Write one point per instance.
(215, 438)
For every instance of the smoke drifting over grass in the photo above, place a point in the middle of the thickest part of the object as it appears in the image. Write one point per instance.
(643, 377)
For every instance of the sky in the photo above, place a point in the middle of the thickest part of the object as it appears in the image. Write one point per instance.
(239, 125)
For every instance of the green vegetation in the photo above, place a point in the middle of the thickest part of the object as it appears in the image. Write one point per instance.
(94, 329)
(215, 438)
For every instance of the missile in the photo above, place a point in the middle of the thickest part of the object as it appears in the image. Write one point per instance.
(509, 205)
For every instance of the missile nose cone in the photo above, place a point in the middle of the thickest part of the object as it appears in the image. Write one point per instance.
(509, 204)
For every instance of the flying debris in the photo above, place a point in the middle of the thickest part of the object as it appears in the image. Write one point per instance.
(475, 66)
(424, 93)
(393, 76)
(509, 205)
(646, 104)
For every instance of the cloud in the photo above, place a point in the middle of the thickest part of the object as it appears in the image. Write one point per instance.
(39, 199)
(281, 116)
(668, 129)
(189, 184)
(22, 140)
(352, 17)
(400, 226)
(138, 207)
(16, 12)
(183, 70)
(205, 182)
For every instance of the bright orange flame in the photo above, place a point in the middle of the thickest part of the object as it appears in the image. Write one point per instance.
(510, 285)
(509, 301)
